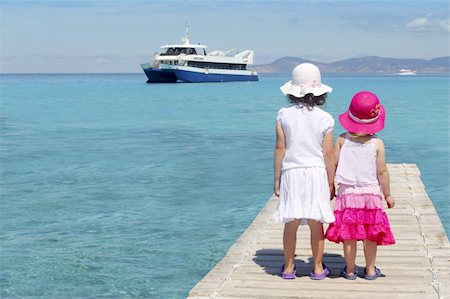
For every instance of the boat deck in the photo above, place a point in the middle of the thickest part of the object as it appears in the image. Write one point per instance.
(417, 266)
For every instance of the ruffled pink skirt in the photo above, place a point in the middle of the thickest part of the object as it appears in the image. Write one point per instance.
(360, 215)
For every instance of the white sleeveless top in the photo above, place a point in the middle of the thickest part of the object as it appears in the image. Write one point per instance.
(357, 163)
(304, 130)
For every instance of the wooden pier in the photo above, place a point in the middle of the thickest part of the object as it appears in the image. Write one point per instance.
(417, 266)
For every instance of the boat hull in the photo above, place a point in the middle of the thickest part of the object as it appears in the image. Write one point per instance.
(156, 75)
(171, 74)
(197, 77)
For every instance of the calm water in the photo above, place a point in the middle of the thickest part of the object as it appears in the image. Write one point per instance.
(113, 188)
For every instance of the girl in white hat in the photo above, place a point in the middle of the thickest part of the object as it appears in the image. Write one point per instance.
(304, 166)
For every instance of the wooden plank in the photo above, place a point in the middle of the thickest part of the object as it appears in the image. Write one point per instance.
(417, 266)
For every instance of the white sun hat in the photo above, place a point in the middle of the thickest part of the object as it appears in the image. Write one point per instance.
(305, 79)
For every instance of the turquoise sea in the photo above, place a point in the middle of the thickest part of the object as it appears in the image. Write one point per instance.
(114, 188)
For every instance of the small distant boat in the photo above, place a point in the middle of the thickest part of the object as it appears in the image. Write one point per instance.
(406, 72)
(189, 63)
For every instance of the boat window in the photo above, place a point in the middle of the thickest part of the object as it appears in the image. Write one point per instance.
(211, 65)
(173, 51)
(192, 51)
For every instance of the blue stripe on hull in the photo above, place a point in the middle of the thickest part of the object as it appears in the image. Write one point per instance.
(160, 76)
(187, 76)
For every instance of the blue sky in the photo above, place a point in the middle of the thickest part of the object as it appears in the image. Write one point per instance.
(116, 36)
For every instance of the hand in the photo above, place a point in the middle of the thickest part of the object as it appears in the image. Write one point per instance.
(332, 191)
(276, 187)
(390, 201)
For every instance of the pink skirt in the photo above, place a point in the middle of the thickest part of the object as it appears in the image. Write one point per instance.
(360, 215)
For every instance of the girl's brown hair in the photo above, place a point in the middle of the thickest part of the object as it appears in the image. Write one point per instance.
(309, 100)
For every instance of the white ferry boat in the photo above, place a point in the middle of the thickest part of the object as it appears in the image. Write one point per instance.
(406, 72)
(189, 63)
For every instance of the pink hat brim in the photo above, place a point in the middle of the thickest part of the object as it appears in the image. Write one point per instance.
(354, 127)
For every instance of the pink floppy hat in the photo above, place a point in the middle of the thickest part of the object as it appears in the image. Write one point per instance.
(364, 115)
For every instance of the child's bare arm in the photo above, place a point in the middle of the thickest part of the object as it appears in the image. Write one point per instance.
(280, 150)
(328, 155)
(383, 174)
(337, 147)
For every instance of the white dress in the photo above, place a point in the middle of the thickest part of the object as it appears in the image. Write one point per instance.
(304, 191)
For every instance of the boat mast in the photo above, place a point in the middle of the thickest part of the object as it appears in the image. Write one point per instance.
(185, 39)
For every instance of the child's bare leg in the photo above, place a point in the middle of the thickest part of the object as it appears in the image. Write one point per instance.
(289, 244)
(370, 253)
(350, 255)
(317, 244)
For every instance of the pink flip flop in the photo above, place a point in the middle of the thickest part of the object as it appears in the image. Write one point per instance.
(287, 275)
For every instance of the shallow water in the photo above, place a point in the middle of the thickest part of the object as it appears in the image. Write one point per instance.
(112, 187)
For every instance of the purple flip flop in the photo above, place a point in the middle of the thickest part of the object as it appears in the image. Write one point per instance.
(372, 277)
(322, 275)
(286, 275)
(349, 276)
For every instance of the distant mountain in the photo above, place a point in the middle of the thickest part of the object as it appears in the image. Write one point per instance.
(369, 64)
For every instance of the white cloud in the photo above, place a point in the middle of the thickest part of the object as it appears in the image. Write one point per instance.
(420, 23)
(429, 23)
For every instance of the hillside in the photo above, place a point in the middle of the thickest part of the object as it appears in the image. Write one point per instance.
(369, 64)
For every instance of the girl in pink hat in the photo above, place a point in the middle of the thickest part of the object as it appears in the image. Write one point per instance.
(304, 166)
(362, 177)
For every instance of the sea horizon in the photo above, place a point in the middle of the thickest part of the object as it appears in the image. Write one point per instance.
(259, 73)
(286, 63)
